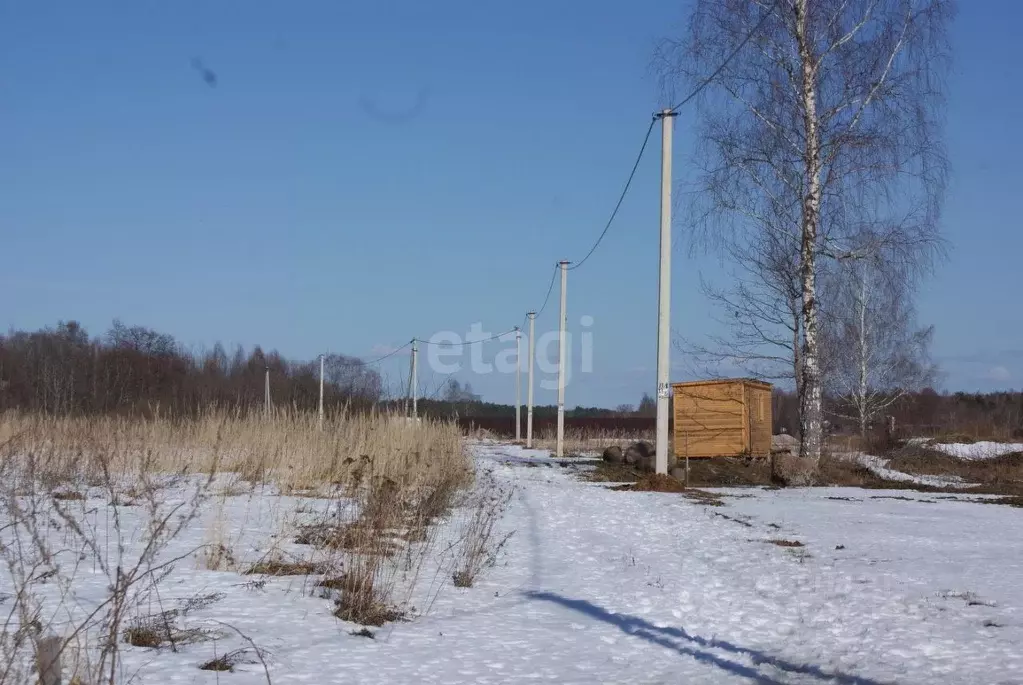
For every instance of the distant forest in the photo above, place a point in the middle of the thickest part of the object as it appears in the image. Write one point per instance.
(133, 369)
(62, 370)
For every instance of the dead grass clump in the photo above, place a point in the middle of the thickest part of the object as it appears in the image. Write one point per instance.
(784, 543)
(283, 567)
(69, 495)
(363, 632)
(159, 630)
(218, 557)
(145, 636)
(221, 663)
(361, 601)
(225, 663)
(431, 503)
(357, 536)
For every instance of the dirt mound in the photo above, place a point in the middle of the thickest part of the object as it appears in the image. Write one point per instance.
(654, 482)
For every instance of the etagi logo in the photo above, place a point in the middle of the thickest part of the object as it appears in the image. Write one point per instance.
(446, 352)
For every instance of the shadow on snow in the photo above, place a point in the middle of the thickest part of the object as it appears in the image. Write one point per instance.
(678, 640)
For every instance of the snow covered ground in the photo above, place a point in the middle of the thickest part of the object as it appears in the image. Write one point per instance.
(978, 450)
(603, 586)
(879, 467)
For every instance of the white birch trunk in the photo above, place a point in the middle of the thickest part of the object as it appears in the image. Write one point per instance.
(811, 441)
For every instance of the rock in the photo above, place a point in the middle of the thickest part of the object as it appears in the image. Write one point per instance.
(613, 455)
(638, 451)
(646, 464)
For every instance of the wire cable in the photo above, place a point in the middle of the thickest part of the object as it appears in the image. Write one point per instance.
(646, 138)
(378, 359)
(618, 205)
(707, 81)
(546, 299)
(467, 342)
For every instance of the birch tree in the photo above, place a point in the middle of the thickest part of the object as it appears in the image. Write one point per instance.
(872, 350)
(821, 130)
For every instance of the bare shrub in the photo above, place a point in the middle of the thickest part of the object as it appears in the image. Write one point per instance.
(479, 544)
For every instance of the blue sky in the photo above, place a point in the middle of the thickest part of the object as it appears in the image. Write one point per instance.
(364, 172)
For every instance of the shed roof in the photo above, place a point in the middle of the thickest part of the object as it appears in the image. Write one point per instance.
(723, 381)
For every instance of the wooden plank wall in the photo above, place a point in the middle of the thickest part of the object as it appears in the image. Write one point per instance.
(759, 403)
(710, 420)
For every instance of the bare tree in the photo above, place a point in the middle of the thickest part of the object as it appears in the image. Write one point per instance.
(759, 313)
(819, 133)
(872, 351)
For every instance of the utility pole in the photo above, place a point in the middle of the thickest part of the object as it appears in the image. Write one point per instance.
(664, 297)
(529, 383)
(518, 384)
(414, 381)
(561, 359)
(266, 392)
(321, 392)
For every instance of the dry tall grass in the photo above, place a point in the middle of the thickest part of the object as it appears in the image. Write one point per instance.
(387, 480)
(589, 441)
(288, 449)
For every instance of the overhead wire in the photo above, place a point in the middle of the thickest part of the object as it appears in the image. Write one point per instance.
(707, 81)
(614, 213)
(390, 354)
(467, 342)
(646, 138)
(621, 198)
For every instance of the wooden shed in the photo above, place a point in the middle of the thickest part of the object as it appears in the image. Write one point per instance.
(723, 418)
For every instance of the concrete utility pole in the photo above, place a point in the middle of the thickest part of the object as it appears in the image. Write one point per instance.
(414, 381)
(518, 384)
(529, 383)
(321, 392)
(664, 297)
(266, 392)
(561, 359)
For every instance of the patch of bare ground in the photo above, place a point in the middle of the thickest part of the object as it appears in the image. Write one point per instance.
(655, 482)
(1002, 475)
(784, 543)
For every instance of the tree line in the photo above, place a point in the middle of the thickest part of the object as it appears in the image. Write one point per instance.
(61, 370)
(921, 413)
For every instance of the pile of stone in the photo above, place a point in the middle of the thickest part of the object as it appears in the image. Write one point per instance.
(639, 455)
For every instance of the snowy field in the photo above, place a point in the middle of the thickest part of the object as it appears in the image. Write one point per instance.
(602, 586)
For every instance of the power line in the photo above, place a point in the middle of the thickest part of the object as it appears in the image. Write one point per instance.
(646, 138)
(359, 362)
(550, 289)
(467, 342)
(707, 81)
(618, 205)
